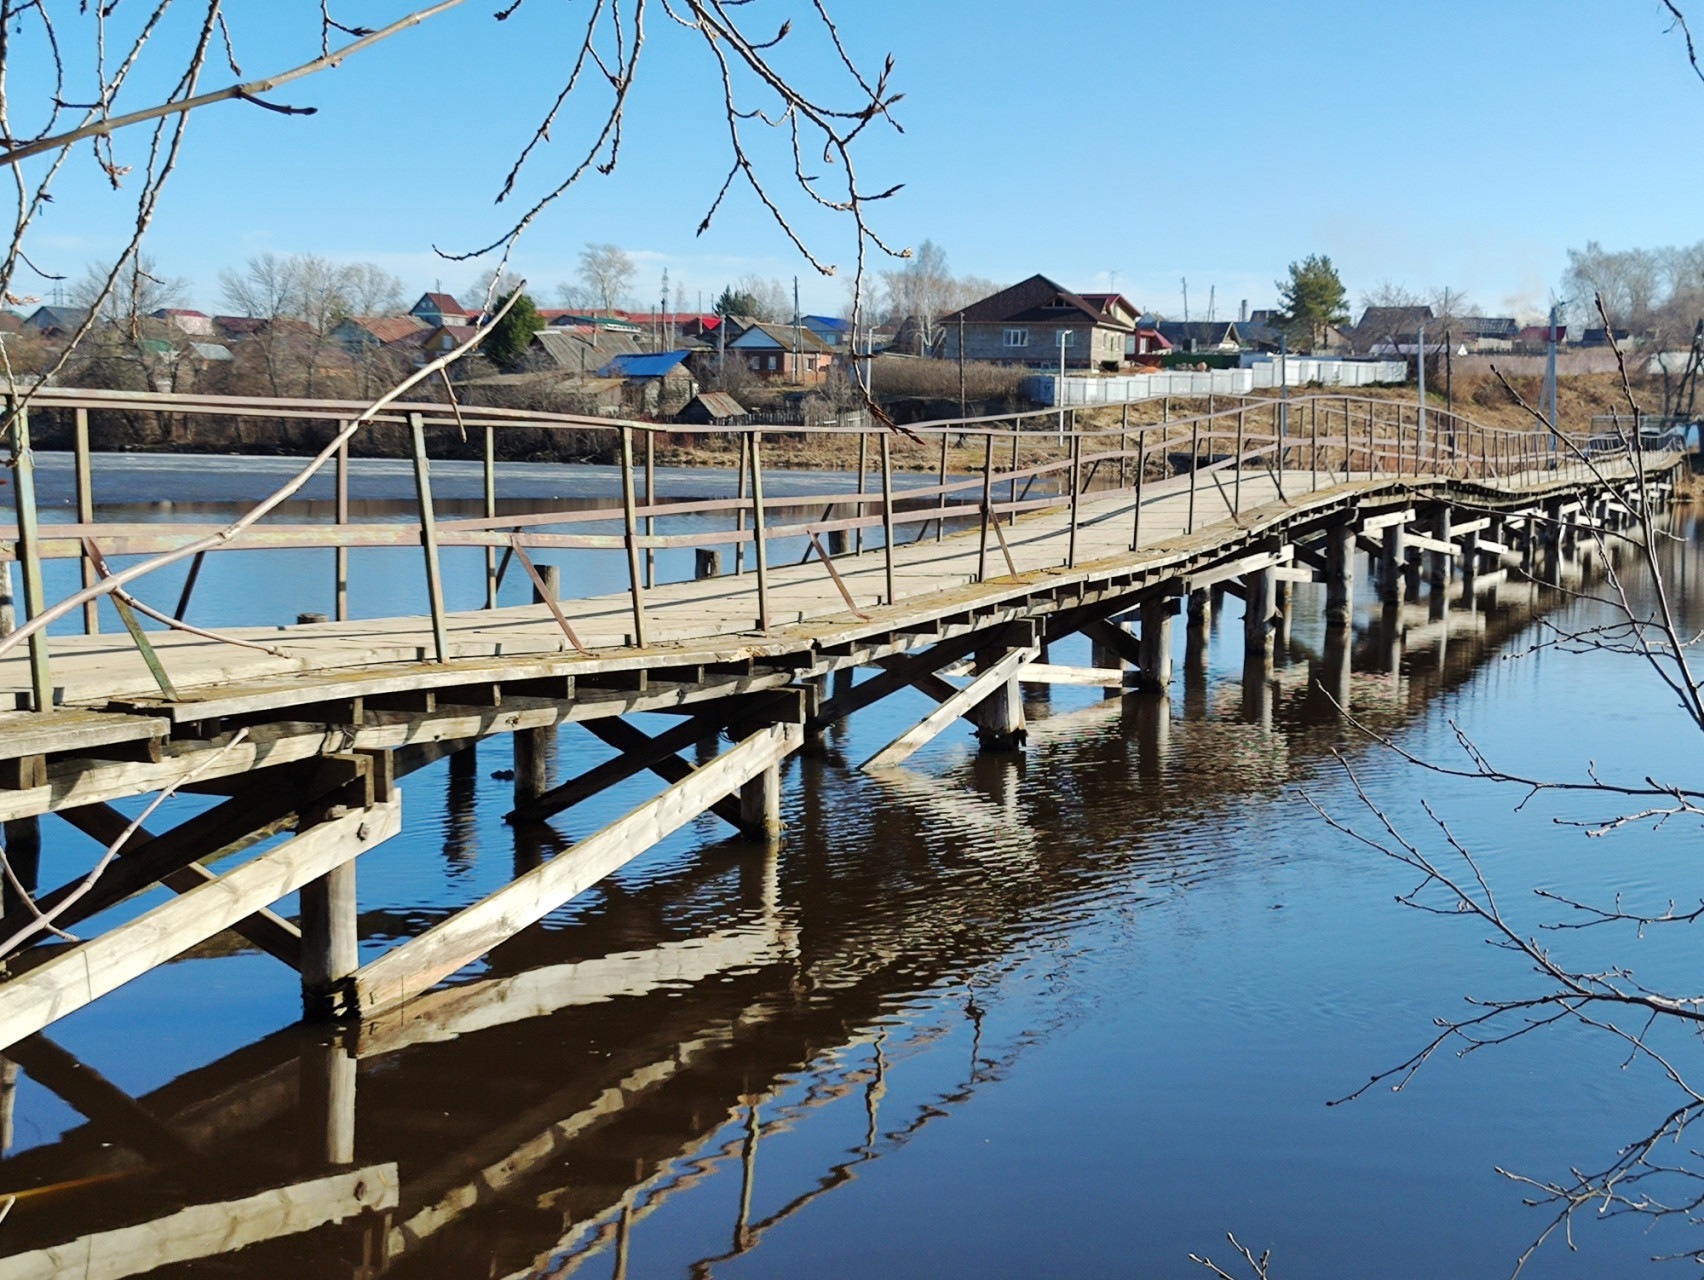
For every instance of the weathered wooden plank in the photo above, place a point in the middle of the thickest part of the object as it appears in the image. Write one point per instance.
(25, 733)
(973, 693)
(415, 966)
(90, 969)
(1052, 673)
(207, 1230)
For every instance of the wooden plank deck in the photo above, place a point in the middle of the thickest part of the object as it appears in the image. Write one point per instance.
(709, 620)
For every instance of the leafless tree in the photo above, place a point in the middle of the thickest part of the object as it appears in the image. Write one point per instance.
(1655, 1176)
(606, 273)
(104, 62)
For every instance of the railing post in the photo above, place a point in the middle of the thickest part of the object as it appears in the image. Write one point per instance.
(1372, 415)
(1012, 486)
(1123, 443)
(1236, 480)
(987, 502)
(1346, 428)
(490, 514)
(1141, 471)
(1075, 454)
(1313, 426)
(887, 515)
(761, 552)
(29, 547)
(429, 537)
(340, 561)
(1194, 466)
(863, 467)
(86, 516)
(630, 532)
(941, 498)
(650, 501)
(739, 501)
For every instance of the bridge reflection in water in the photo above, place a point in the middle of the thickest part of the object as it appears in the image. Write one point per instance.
(531, 1118)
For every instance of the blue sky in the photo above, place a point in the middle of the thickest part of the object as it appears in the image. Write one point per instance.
(1099, 141)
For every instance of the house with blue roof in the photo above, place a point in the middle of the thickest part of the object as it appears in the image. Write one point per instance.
(656, 382)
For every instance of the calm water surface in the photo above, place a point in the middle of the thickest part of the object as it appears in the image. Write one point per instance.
(1077, 1014)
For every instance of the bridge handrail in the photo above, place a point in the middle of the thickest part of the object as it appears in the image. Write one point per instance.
(1326, 434)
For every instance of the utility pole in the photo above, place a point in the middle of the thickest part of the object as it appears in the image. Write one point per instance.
(798, 339)
(1186, 299)
(663, 318)
(1550, 381)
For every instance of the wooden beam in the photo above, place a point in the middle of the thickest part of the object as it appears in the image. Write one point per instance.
(241, 820)
(905, 669)
(1117, 639)
(1052, 673)
(208, 1230)
(77, 975)
(27, 733)
(671, 768)
(632, 760)
(272, 933)
(415, 966)
(973, 693)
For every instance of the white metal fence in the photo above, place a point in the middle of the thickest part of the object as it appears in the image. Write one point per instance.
(1080, 391)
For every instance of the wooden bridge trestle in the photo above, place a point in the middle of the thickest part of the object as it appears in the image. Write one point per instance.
(308, 729)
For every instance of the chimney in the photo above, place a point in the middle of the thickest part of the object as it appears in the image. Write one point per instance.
(1242, 314)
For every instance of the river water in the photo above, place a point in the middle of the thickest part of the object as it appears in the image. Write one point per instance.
(1074, 1014)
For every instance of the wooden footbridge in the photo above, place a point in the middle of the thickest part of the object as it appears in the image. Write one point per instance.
(955, 587)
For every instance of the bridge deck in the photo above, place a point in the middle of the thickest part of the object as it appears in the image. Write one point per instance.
(715, 619)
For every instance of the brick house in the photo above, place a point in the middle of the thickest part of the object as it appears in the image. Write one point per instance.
(777, 351)
(1024, 324)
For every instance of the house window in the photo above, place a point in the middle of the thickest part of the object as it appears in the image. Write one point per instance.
(772, 362)
(757, 362)
(1067, 336)
(1017, 337)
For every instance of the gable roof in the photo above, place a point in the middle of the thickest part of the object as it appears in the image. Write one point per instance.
(582, 347)
(719, 404)
(388, 328)
(1037, 300)
(61, 318)
(656, 365)
(1376, 322)
(442, 304)
(764, 335)
(1211, 333)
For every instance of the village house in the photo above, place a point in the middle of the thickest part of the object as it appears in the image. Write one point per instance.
(366, 332)
(197, 324)
(56, 322)
(436, 309)
(655, 382)
(1201, 336)
(712, 409)
(781, 353)
(1027, 323)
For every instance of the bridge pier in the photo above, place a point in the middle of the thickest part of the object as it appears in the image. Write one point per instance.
(1155, 642)
(760, 804)
(1340, 576)
(532, 764)
(1259, 609)
(1391, 565)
